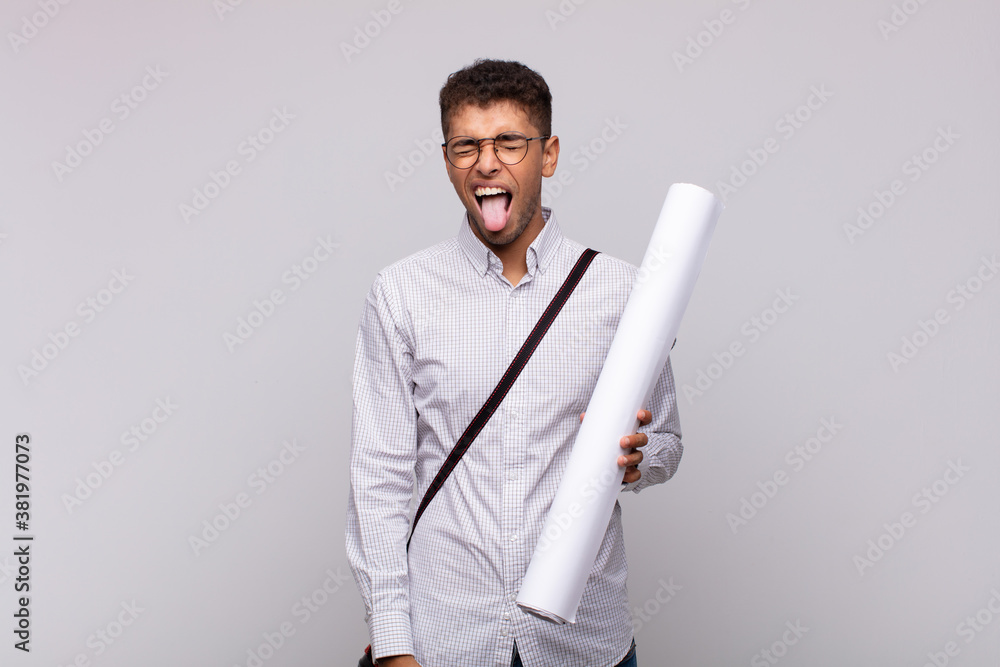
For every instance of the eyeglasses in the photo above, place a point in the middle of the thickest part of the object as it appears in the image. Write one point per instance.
(510, 148)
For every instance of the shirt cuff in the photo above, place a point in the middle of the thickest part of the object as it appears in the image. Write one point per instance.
(630, 486)
(390, 634)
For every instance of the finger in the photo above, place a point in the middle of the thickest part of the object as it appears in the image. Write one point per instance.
(581, 415)
(632, 475)
(630, 460)
(645, 416)
(634, 440)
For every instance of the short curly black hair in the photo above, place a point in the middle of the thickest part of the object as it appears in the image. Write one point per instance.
(485, 82)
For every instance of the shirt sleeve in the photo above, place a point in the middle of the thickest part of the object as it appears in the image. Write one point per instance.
(662, 454)
(383, 454)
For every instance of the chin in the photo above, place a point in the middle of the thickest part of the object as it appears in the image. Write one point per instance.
(510, 233)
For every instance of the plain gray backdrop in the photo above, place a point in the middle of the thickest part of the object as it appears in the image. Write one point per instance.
(170, 169)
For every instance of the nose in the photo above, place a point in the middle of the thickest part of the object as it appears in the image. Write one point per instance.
(488, 162)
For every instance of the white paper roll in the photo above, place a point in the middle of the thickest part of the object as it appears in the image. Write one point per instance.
(579, 515)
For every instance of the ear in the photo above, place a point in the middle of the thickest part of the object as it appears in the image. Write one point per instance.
(550, 156)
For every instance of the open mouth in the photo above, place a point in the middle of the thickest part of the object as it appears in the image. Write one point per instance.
(494, 204)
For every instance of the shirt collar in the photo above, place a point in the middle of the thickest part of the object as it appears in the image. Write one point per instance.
(539, 255)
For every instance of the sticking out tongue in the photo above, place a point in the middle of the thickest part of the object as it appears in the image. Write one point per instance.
(495, 211)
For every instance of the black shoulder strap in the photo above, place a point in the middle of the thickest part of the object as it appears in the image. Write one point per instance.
(520, 359)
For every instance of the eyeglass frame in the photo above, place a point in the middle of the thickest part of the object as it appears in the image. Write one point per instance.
(479, 148)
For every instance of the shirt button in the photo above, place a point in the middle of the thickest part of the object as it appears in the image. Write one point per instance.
(506, 616)
(503, 632)
(513, 597)
(513, 537)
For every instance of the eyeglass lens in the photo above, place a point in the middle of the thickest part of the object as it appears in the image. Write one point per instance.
(510, 148)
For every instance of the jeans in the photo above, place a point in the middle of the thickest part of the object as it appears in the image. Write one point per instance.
(628, 661)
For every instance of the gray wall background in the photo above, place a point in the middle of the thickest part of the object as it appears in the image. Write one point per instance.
(903, 124)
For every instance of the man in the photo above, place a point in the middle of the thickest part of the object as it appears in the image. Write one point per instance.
(437, 331)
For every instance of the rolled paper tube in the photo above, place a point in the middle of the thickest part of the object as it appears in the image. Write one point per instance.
(578, 518)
